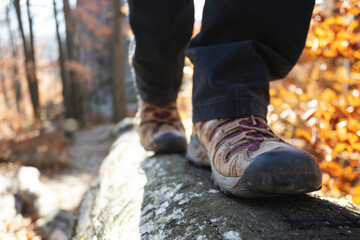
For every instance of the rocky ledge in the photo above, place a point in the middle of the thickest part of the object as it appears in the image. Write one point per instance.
(141, 196)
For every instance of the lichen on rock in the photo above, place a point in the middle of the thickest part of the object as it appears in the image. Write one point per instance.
(141, 196)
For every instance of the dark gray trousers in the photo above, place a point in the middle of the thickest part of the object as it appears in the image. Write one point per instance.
(241, 47)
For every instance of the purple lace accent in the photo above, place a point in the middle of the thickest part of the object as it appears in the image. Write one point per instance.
(251, 130)
(217, 127)
(231, 135)
(162, 115)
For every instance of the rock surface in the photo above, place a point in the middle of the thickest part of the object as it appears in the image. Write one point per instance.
(140, 196)
(40, 202)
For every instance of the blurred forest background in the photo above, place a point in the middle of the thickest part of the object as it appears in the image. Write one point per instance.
(64, 67)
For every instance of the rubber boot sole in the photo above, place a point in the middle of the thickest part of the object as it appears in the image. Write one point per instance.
(167, 143)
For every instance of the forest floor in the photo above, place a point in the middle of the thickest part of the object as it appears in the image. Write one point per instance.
(86, 154)
(83, 157)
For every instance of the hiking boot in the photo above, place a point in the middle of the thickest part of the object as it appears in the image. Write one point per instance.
(160, 128)
(248, 160)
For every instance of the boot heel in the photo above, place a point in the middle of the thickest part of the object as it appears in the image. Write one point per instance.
(196, 153)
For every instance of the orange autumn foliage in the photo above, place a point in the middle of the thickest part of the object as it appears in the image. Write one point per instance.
(322, 98)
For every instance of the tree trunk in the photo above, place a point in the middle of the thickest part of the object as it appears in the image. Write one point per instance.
(29, 63)
(70, 111)
(3, 87)
(75, 107)
(61, 60)
(4, 90)
(32, 50)
(15, 70)
(118, 64)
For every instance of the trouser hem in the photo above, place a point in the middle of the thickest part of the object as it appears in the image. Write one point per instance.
(227, 108)
(162, 101)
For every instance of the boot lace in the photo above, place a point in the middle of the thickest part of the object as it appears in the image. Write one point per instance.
(250, 130)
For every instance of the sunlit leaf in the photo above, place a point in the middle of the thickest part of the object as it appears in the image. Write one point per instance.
(338, 148)
(333, 168)
(303, 133)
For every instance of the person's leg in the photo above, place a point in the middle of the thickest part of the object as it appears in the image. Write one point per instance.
(241, 46)
(162, 30)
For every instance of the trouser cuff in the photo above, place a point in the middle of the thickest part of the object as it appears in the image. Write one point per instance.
(227, 108)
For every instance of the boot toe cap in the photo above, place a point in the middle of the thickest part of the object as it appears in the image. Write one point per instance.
(169, 143)
(283, 170)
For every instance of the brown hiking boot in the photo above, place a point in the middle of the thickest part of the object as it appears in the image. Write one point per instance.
(248, 160)
(160, 128)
